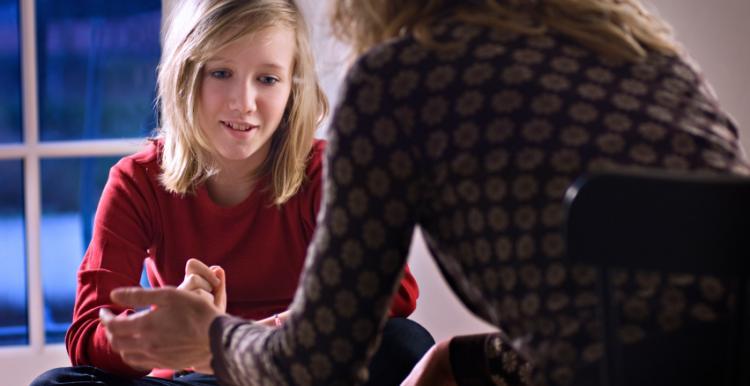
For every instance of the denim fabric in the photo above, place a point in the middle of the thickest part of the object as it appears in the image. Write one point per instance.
(403, 345)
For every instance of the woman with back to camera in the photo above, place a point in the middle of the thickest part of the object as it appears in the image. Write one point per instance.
(233, 180)
(470, 119)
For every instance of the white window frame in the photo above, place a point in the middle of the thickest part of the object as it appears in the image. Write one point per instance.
(38, 356)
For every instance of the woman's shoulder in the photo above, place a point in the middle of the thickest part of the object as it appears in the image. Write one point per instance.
(450, 46)
(385, 59)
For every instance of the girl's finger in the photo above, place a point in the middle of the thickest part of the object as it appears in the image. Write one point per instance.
(194, 282)
(195, 266)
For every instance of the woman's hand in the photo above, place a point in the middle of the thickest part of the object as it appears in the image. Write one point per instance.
(105, 316)
(173, 333)
(207, 282)
(434, 369)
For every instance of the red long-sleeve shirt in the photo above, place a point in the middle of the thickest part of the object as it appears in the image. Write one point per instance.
(261, 247)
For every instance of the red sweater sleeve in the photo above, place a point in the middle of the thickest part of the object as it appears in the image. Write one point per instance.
(113, 259)
(405, 299)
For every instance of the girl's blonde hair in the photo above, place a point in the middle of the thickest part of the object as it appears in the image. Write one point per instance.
(196, 30)
(621, 29)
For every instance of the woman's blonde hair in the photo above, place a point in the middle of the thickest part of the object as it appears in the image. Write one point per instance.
(621, 29)
(196, 30)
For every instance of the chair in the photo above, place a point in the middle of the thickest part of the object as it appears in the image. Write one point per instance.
(667, 222)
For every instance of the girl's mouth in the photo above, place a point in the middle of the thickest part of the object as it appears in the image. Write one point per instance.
(239, 126)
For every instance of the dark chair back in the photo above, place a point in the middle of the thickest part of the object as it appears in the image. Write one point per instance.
(650, 220)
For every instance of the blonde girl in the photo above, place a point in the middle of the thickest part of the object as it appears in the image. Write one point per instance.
(223, 201)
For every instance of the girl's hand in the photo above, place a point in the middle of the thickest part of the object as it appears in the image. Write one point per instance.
(208, 282)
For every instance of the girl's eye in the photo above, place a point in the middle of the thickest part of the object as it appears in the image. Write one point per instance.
(268, 80)
(220, 74)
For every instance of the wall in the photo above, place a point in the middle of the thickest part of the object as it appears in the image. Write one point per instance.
(716, 34)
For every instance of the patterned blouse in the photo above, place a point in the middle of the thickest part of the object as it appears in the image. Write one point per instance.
(475, 140)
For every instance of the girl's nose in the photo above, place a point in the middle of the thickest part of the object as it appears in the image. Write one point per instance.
(243, 98)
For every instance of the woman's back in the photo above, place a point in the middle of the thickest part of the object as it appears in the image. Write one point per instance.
(486, 133)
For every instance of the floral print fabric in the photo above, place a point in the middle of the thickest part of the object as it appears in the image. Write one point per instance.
(475, 138)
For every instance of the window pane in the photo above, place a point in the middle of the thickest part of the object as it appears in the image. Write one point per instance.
(97, 68)
(13, 323)
(70, 193)
(10, 73)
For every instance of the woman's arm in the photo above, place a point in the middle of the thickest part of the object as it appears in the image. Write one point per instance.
(405, 298)
(372, 191)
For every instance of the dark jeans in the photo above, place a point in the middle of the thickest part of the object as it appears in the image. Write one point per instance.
(403, 344)
(91, 376)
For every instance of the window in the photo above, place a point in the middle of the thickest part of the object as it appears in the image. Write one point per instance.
(96, 68)
(13, 320)
(85, 98)
(13, 329)
(10, 73)
(68, 207)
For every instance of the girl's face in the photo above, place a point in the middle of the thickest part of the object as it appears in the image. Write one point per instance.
(243, 93)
